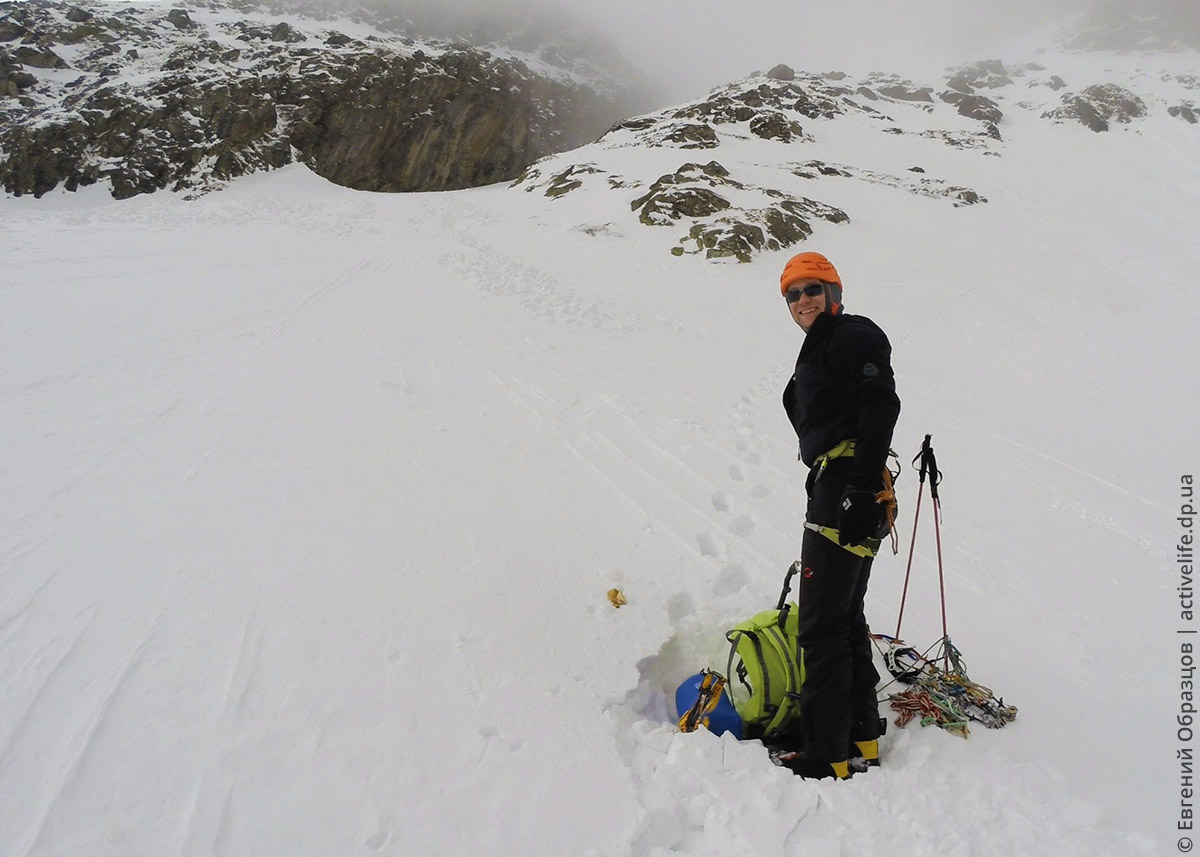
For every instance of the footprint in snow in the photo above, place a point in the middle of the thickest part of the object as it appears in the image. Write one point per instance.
(680, 607)
(736, 474)
(732, 579)
(720, 501)
(742, 525)
(378, 840)
(709, 544)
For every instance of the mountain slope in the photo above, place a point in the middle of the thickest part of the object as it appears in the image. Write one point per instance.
(155, 96)
(313, 497)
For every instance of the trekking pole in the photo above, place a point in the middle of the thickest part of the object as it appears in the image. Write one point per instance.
(923, 470)
(935, 478)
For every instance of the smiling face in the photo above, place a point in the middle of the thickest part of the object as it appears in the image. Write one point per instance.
(808, 307)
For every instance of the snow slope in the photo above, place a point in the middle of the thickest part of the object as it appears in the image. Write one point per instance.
(311, 499)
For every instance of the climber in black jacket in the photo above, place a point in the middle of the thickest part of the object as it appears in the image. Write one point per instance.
(842, 402)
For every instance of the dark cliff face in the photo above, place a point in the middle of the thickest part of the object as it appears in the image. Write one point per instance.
(402, 126)
(146, 99)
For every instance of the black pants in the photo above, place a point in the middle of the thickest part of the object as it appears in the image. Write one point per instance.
(837, 700)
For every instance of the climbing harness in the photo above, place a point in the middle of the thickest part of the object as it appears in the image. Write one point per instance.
(867, 549)
(845, 449)
(887, 498)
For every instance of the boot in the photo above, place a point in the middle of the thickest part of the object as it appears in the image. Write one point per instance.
(812, 769)
(864, 754)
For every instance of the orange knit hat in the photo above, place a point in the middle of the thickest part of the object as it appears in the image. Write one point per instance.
(818, 267)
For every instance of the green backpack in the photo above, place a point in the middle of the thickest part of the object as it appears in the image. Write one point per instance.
(764, 657)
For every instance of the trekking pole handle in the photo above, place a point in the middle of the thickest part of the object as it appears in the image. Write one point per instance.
(928, 466)
(919, 460)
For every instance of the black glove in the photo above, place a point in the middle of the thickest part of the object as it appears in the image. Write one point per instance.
(858, 516)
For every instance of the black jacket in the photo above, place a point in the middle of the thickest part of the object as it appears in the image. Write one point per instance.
(843, 388)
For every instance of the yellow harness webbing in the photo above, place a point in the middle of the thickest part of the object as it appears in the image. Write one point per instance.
(887, 497)
(867, 549)
(845, 449)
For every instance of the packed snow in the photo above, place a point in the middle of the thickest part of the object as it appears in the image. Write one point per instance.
(312, 499)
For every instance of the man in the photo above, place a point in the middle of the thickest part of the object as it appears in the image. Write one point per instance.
(842, 402)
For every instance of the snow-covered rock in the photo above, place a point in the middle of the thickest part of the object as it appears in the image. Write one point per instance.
(149, 97)
(1098, 106)
(777, 156)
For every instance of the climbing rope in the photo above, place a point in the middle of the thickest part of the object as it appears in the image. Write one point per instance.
(947, 698)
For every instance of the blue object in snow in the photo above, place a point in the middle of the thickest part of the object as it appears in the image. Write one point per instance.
(724, 718)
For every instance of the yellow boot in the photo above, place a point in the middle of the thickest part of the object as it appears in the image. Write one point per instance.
(812, 769)
(868, 751)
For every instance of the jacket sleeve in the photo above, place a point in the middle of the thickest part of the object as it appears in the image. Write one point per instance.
(861, 357)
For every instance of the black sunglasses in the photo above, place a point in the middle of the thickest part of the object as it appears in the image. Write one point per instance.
(811, 290)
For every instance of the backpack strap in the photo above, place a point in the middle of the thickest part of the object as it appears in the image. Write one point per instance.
(787, 708)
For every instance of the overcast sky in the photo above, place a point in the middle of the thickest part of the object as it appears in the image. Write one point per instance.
(692, 45)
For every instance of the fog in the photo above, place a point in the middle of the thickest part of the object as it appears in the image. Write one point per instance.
(689, 46)
(681, 49)
(686, 47)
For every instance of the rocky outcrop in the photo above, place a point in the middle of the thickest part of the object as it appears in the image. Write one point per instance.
(975, 107)
(686, 135)
(38, 58)
(900, 92)
(766, 106)
(765, 192)
(894, 88)
(569, 179)
(180, 19)
(719, 110)
(775, 227)
(694, 192)
(186, 100)
(989, 74)
(776, 126)
(1184, 112)
(397, 124)
(14, 80)
(1098, 106)
(713, 209)
(979, 108)
(927, 187)
(812, 96)
(678, 195)
(698, 197)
